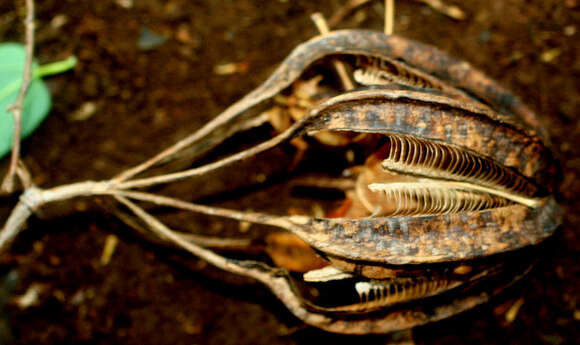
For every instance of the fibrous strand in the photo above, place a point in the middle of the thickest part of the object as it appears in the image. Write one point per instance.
(437, 160)
(382, 71)
(375, 294)
(432, 198)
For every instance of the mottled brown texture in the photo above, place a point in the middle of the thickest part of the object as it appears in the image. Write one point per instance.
(423, 57)
(384, 240)
(413, 240)
(440, 118)
(465, 124)
(374, 44)
(144, 296)
(403, 316)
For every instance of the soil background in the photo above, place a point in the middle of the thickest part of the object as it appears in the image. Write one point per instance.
(148, 92)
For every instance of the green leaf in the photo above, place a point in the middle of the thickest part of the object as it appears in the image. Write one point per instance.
(37, 101)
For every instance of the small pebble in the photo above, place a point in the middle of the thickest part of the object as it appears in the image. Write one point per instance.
(244, 226)
(485, 36)
(149, 40)
(550, 55)
(84, 112)
(108, 250)
(30, 297)
(569, 30)
(125, 3)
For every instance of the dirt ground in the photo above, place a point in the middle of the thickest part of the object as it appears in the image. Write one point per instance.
(148, 94)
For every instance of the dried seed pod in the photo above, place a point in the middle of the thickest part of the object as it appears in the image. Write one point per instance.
(423, 62)
(464, 184)
(517, 162)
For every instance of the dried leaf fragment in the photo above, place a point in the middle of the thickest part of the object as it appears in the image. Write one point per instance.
(289, 251)
(231, 68)
(512, 313)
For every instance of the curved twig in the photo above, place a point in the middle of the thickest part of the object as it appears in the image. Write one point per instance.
(34, 198)
(16, 108)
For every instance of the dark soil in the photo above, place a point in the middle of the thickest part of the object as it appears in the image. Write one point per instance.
(149, 98)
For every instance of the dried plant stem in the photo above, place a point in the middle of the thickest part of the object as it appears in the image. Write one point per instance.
(163, 231)
(220, 243)
(266, 90)
(322, 26)
(389, 16)
(342, 12)
(451, 11)
(324, 182)
(253, 217)
(14, 224)
(172, 150)
(16, 108)
(150, 181)
(275, 279)
(24, 175)
(222, 119)
(33, 198)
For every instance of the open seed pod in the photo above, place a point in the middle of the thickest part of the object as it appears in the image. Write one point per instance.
(440, 216)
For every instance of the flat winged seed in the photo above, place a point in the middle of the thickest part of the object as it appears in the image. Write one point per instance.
(326, 274)
(385, 71)
(376, 294)
(427, 199)
(437, 160)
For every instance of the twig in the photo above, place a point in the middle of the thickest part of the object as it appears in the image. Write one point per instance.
(265, 91)
(163, 231)
(389, 16)
(186, 143)
(219, 243)
(24, 175)
(14, 225)
(252, 217)
(192, 152)
(246, 245)
(160, 179)
(16, 108)
(342, 12)
(322, 26)
(34, 198)
(451, 11)
(323, 182)
(275, 279)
